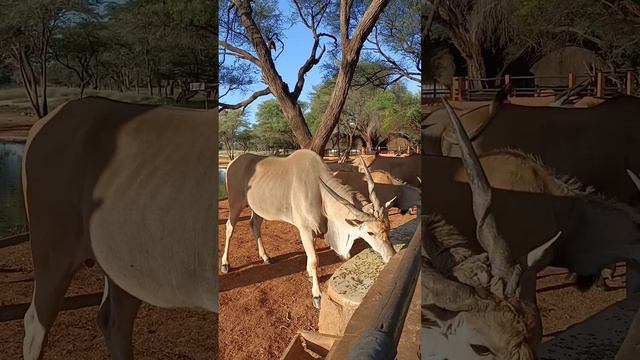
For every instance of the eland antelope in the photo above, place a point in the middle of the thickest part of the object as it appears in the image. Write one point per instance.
(388, 188)
(596, 145)
(478, 302)
(405, 168)
(301, 191)
(532, 203)
(132, 188)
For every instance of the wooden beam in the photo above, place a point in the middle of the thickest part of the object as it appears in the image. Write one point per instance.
(600, 84)
(376, 326)
(630, 85)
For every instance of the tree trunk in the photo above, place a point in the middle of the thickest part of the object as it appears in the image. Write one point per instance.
(28, 78)
(351, 49)
(338, 140)
(43, 84)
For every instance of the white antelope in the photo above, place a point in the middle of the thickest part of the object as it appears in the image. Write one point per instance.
(301, 191)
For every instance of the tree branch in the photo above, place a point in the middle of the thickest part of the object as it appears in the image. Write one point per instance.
(366, 24)
(581, 33)
(345, 16)
(243, 104)
(237, 52)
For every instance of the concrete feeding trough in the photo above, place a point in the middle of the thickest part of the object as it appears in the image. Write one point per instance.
(307, 345)
(350, 283)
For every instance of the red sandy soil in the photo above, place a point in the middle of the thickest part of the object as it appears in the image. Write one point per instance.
(263, 306)
(159, 333)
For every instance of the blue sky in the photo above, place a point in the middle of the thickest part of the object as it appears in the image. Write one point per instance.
(298, 43)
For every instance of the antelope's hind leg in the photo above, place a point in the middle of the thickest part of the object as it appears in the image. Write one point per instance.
(52, 275)
(116, 316)
(256, 222)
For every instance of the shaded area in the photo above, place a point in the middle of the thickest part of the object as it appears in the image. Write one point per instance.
(596, 338)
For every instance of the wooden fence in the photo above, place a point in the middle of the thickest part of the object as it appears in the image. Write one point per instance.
(600, 84)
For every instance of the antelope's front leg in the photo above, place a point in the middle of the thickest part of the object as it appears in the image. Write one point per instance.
(312, 265)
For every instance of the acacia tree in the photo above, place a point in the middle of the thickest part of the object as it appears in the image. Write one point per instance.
(375, 112)
(475, 27)
(251, 36)
(26, 28)
(76, 48)
(609, 27)
(231, 124)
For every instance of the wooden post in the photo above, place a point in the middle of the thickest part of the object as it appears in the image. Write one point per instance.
(572, 81)
(507, 83)
(630, 83)
(465, 88)
(599, 84)
(455, 89)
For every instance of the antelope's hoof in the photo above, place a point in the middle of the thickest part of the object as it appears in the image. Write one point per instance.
(316, 302)
(267, 261)
(224, 268)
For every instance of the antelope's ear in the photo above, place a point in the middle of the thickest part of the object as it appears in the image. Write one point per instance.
(539, 255)
(353, 222)
(388, 203)
(368, 208)
(634, 178)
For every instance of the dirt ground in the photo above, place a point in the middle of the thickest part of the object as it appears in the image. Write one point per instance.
(15, 125)
(263, 306)
(158, 334)
(562, 305)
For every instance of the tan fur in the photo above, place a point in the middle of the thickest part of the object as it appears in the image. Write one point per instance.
(387, 188)
(289, 189)
(133, 187)
(596, 145)
(405, 168)
(544, 204)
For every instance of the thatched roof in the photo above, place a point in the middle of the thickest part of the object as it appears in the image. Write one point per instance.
(561, 62)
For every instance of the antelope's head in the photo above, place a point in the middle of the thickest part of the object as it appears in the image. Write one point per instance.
(371, 222)
(480, 305)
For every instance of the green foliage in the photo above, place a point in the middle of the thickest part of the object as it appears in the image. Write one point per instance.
(271, 129)
(230, 125)
(372, 111)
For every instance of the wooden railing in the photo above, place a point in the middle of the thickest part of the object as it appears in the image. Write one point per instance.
(601, 84)
(375, 327)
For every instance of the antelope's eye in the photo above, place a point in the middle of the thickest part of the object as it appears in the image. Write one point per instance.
(480, 349)
(370, 233)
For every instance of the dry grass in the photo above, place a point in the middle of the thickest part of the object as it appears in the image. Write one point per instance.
(15, 98)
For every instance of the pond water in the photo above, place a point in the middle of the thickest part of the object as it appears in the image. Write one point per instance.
(222, 190)
(12, 217)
